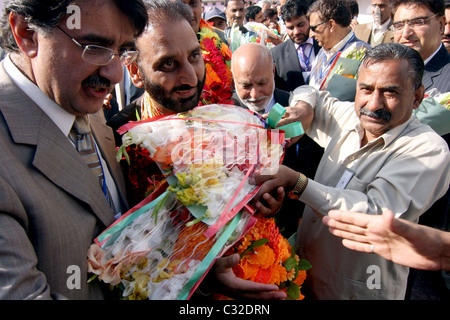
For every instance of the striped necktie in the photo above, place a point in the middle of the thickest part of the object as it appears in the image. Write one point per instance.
(305, 62)
(81, 136)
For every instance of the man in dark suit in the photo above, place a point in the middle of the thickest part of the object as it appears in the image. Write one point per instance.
(293, 58)
(253, 71)
(424, 35)
(51, 203)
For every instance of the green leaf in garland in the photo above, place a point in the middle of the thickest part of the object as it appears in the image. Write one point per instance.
(293, 291)
(304, 265)
(290, 263)
(255, 244)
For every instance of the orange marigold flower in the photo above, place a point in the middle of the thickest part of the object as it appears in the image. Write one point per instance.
(279, 274)
(262, 256)
(301, 277)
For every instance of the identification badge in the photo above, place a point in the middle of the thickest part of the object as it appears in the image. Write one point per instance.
(345, 179)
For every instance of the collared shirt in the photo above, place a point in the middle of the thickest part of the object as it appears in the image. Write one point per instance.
(379, 31)
(269, 105)
(434, 53)
(62, 119)
(325, 58)
(405, 170)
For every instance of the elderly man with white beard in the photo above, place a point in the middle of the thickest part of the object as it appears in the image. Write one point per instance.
(253, 73)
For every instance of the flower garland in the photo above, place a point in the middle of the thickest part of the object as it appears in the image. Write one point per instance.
(148, 108)
(217, 57)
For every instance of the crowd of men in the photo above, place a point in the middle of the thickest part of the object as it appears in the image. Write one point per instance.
(368, 154)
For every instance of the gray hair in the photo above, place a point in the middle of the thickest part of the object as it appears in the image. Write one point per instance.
(397, 51)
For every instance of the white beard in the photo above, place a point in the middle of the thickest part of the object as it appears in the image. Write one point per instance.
(252, 106)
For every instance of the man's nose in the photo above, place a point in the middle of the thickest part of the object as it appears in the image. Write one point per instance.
(188, 76)
(376, 101)
(113, 71)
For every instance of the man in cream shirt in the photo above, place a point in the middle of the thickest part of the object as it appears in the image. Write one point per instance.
(378, 156)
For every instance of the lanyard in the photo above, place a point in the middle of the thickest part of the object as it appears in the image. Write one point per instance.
(306, 63)
(325, 64)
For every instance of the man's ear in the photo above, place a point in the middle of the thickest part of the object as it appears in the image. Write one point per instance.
(418, 96)
(332, 24)
(26, 38)
(135, 74)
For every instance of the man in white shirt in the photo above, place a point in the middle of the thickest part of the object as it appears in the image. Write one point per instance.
(377, 157)
(378, 31)
(329, 22)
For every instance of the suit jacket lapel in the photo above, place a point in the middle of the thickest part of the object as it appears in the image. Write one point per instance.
(29, 125)
(293, 56)
(434, 67)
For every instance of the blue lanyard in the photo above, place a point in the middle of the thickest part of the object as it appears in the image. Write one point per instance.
(307, 66)
(327, 64)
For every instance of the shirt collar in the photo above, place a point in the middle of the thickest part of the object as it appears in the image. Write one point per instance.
(386, 137)
(308, 41)
(431, 57)
(330, 53)
(63, 119)
(270, 105)
(383, 27)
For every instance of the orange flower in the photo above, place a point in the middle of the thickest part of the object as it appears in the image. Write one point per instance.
(264, 262)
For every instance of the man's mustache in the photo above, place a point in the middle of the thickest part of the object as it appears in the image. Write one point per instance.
(377, 114)
(96, 80)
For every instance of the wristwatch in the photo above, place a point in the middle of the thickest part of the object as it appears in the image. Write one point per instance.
(299, 187)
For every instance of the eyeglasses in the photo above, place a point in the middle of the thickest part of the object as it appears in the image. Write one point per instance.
(413, 23)
(313, 28)
(101, 56)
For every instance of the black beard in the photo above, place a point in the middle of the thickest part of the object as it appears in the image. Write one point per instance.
(163, 97)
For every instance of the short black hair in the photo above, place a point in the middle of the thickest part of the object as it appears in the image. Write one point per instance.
(251, 12)
(338, 10)
(46, 14)
(293, 9)
(435, 6)
(160, 11)
(397, 51)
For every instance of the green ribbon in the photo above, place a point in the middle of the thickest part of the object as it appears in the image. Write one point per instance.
(112, 232)
(291, 130)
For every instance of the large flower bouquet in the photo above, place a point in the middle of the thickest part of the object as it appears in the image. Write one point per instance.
(163, 247)
(435, 111)
(341, 78)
